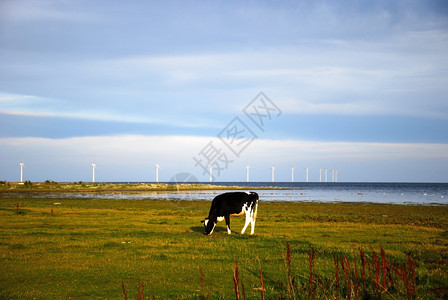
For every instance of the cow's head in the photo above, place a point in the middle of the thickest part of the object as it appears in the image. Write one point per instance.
(209, 226)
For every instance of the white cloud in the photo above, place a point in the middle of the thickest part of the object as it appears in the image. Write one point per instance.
(290, 152)
(341, 79)
(34, 106)
(7, 99)
(184, 90)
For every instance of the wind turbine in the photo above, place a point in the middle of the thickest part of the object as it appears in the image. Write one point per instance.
(211, 176)
(273, 174)
(157, 172)
(320, 175)
(326, 175)
(332, 175)
(22, 165)
(93, 172)
(307, 173)
(247, 173)
(292, 174)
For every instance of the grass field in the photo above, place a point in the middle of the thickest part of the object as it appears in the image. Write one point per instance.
(62, 248)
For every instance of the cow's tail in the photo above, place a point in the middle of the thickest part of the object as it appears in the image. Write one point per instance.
(256, 206)
(255, 211)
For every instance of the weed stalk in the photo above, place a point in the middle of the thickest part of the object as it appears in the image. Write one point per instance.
(141, 291)
(376, 265)
(336, 267)
(355, 280)
(383, 266)
(312, 257)
(346, 268)
(124, 291)
(236, 278)
(412, 275)
(288, 260)
(363, 270)
(262, 282)
(202, 282)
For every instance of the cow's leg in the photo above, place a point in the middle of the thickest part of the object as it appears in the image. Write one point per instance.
(253, 218)
(214, 224)
(248, 217)
(228, 223)
(210, 227)
(252, 226)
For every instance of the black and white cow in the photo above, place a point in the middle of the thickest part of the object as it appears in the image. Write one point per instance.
(232, 204)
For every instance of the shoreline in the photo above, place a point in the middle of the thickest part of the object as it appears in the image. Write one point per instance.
(81, 187)
(62, 195)
(283, 192)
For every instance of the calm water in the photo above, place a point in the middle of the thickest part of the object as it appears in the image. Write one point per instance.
(397, 193)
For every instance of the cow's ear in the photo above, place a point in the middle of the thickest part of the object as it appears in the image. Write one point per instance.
(202, 221)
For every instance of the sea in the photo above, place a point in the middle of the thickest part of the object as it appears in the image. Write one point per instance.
(326, 192)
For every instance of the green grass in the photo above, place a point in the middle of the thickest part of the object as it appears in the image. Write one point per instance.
(87, 248)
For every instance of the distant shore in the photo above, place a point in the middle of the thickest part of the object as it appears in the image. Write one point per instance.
(89, 187)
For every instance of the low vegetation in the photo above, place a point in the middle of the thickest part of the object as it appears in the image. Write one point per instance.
(148, 249)
(51, 186)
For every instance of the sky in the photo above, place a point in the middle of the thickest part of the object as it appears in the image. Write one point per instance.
(355, 86)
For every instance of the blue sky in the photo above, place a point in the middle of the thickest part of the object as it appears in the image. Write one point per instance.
(361, 86)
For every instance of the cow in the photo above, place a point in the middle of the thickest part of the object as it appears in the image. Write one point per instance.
(232, 204)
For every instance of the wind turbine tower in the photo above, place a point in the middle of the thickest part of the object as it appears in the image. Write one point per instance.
(326, 172)
(273, 174)
(307, 170)
(292, 174)
(93, 172)
(320, 175)
(247, 173)
(22, 165)
(157, 172)
(211, 175)
(336, 177)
